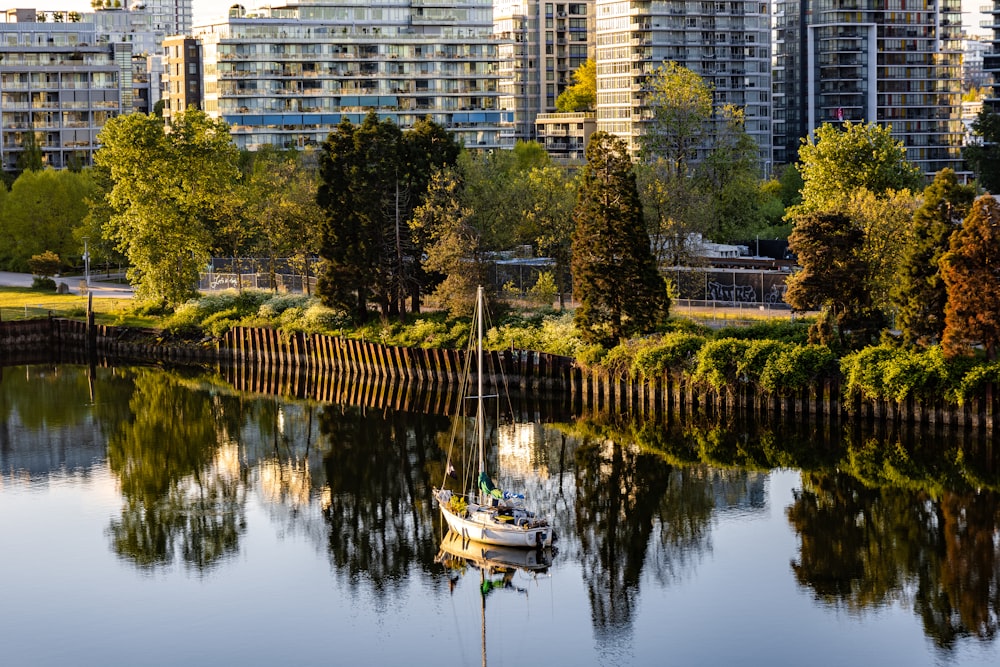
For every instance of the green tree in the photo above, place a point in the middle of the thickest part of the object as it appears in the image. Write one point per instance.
(45, 264)
(582, 95)
(372, 176)
(681, 104)
(838, 160)
(547, 214)
(971, 274)
(355, 168)
(30, 158)
(920, 293)
(729, 175)
(454, 247)
(699, 170)
(984, 157)
(283, 208)
(886, 228)
(428, 147)
(615, 276)
(828, 249)
(168, 190)
(43, 211)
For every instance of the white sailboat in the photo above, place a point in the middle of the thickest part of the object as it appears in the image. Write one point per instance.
(486, 514)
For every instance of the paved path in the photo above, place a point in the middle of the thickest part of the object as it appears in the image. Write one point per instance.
(100, 289)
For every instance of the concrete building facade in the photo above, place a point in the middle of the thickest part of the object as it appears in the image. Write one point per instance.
(565, 135)
(182, 75)
(540, 45)
(287, 75)
(60, 84)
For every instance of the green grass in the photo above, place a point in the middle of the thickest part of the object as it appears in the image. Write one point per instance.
(18, 303)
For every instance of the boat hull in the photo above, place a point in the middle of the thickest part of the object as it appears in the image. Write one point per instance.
(477, 526)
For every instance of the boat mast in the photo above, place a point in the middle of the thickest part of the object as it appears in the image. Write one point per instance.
(480, 421)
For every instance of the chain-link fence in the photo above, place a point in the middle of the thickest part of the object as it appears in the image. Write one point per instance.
(729, 287)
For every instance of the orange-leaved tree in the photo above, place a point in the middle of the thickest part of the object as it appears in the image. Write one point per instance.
(971, 272)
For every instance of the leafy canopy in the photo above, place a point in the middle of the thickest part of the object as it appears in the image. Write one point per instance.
(582, 95)
(168, 190)
(838, 160)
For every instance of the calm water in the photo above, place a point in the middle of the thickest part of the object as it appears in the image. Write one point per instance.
(153, 517)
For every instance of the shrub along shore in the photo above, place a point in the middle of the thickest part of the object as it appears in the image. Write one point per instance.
(769, 359)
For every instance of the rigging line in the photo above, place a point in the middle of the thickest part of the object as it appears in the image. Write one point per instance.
(503, 375)
(461, 417)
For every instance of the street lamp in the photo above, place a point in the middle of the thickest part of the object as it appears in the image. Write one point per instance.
(86, 261)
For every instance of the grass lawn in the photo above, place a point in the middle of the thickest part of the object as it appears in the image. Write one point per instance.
(18, 303)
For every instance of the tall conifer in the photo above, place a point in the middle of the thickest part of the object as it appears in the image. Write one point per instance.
(615, 278)
(921, 294)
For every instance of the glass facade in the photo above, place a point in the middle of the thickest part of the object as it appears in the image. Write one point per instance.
(895, 62)
(726, 43)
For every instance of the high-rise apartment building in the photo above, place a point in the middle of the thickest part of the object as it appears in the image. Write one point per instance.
(541, 45)
(894, 62)
(182, 75)
(287, 75)
(726, 43)
(59, 85)
(991, 60)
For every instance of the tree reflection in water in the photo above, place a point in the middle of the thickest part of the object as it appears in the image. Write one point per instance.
(638, 506)
(908, 542)
(379, 511)
(182, 483)
(882, 518)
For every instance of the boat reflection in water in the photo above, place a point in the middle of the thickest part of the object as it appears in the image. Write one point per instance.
(498, 567)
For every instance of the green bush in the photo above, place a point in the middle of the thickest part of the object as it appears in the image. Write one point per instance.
(43, 284)
(275, 307)
(889, 372)
(862, 370)
(321, 319)
(973, 378)
(718, 360)
(755, 358)
(554, 334)
(672, 351)
(219, 323)
(590, 356)
(794, 367)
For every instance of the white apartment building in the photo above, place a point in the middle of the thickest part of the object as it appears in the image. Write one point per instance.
(287, 75)
(60, 83)
(726, 42)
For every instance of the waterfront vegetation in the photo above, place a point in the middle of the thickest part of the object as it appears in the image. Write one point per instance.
(772, 357)
(405, 223)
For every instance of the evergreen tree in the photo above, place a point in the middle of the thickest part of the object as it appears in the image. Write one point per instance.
(984, 157)
(357, 166)
(615, 278)
(920, 294)
(373, 176)
(828, 249)
(971, 275)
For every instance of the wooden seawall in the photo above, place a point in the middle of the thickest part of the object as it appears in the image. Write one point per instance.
(334, 368)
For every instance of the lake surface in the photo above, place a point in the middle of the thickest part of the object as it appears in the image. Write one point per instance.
(160, 517)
